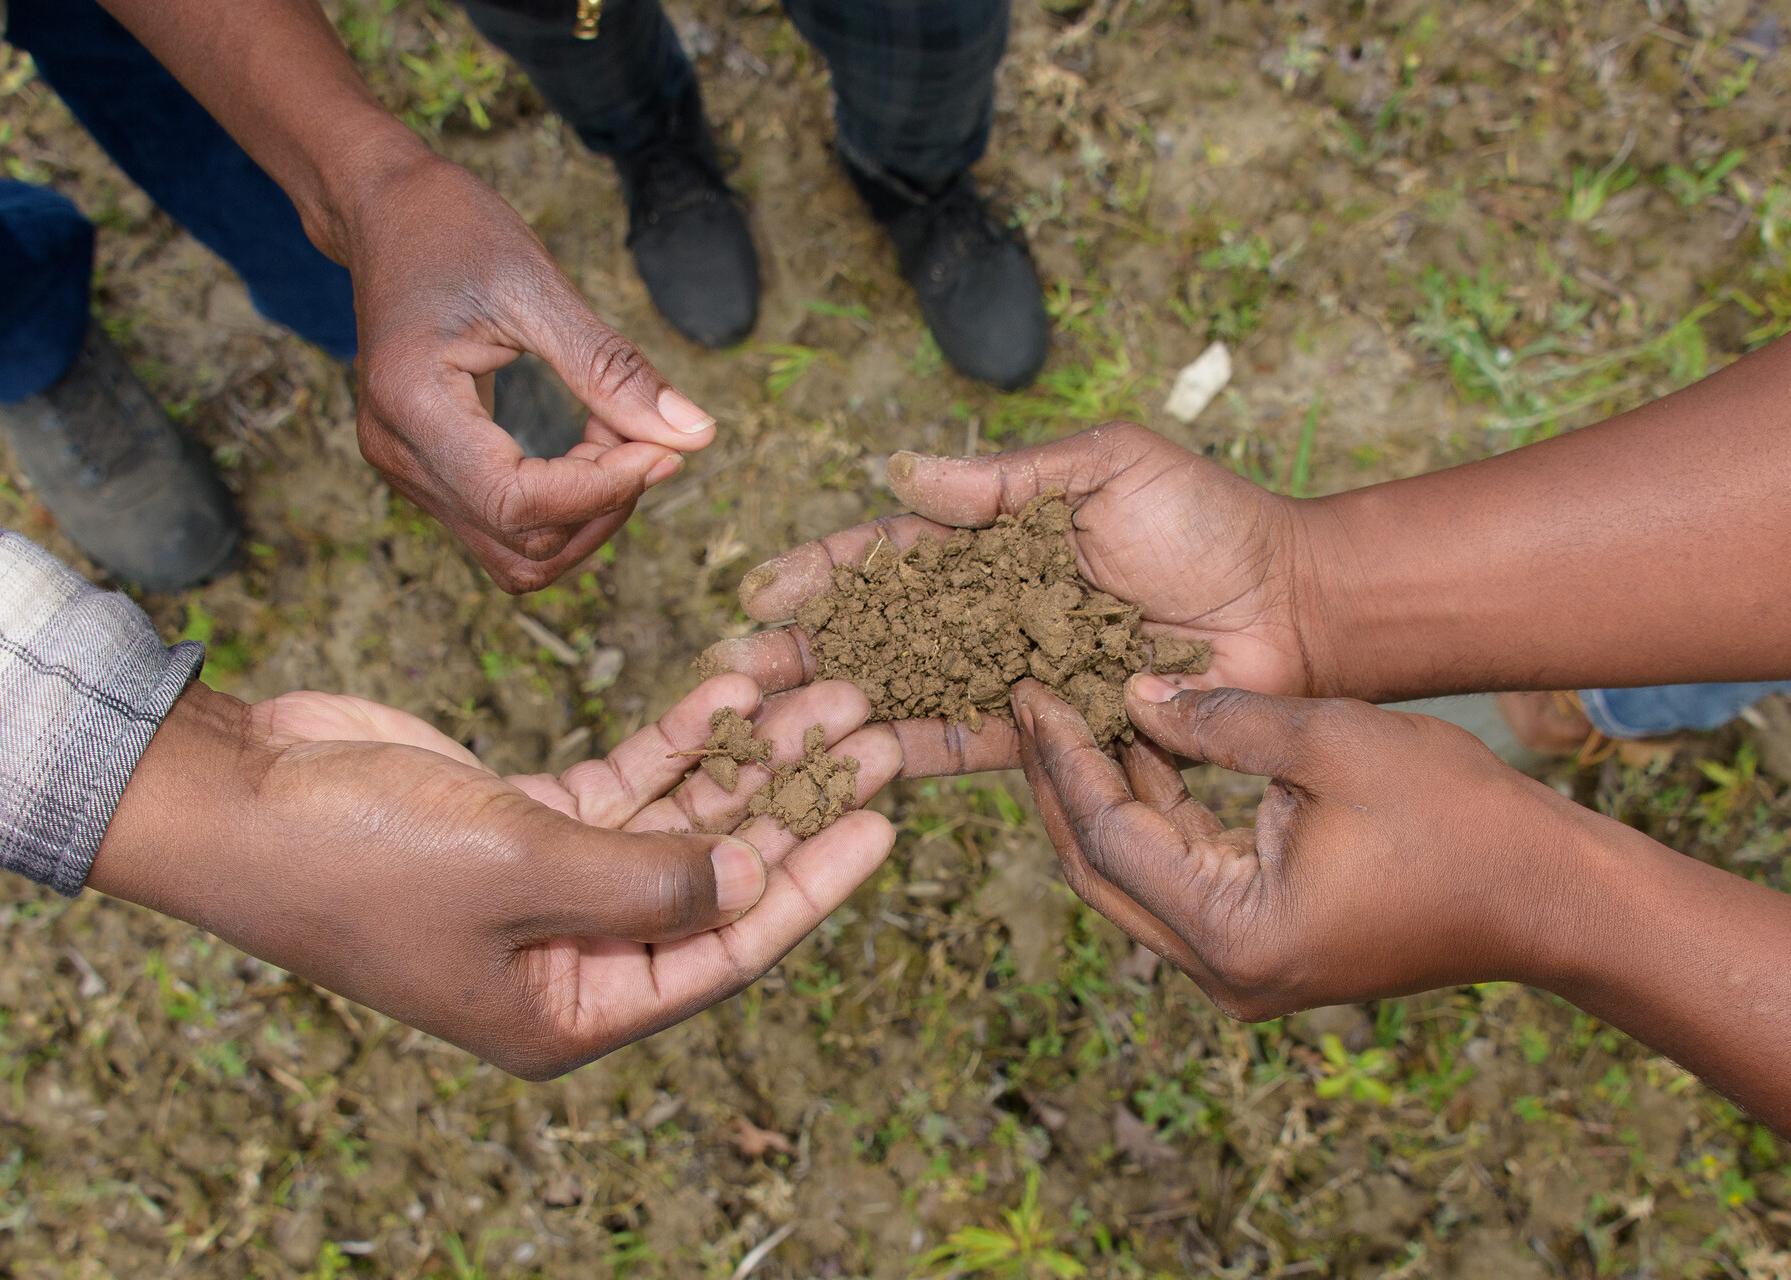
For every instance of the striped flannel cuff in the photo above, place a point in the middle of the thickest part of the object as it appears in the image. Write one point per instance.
(84, 684)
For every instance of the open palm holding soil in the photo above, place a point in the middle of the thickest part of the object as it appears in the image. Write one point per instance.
(1392, 853)
(1203, 555)
(540, 921)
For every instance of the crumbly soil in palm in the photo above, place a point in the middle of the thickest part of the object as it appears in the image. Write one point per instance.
(810, 794)
(948, 626)
(730, 745)
(806, 796)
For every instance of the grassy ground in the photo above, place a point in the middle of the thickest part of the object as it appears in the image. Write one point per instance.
(1430, 231)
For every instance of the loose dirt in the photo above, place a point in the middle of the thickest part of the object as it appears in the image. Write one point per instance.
(809, 795)
(730, 745)
(947, 627)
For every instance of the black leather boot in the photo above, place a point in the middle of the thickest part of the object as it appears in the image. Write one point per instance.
(533, 405)
(128, 486)
(688, 232)
(978, 289)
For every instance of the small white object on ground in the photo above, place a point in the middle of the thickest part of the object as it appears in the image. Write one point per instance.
(1197, 384)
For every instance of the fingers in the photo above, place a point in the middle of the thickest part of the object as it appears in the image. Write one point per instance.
(971, 492)
(647, 764)
(1126, 841)
(931, 748)
(607, 372)
(1082, 877)
(525, 519)
(1157, 782)
(647, 887)
(701, 804)
(772, 591)
(879, 762)
(773, 660)
(814, 879)
(537, 505)
(1296, 740)
(936, 748)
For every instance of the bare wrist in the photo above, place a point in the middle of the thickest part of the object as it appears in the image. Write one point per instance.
(1573, 897)
(1327, 588)
(189, 796)
(357, 187)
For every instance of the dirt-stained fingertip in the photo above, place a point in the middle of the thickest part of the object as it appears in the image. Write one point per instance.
(756, 581)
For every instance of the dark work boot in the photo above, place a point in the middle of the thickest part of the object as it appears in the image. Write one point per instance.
(688, 232)
(530, 402)
(129, 487)
(978, 290)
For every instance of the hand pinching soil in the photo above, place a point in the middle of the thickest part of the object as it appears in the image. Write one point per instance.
(946, 627)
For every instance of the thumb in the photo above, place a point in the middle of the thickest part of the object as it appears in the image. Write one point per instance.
(971, 492)
(1291, 739)
(611, 376)
(645, 887)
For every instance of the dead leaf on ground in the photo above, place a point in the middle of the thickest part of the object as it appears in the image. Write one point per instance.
(1137, 1140)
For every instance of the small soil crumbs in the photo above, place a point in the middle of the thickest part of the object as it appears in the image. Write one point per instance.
(810, 794)
(946, 627)
(731, 745)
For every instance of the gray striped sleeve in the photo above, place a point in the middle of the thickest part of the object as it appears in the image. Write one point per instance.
(84, 683)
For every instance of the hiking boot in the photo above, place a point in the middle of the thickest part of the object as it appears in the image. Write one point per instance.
(688, 233)
(530, 402)
(137, 494)
(979, 292)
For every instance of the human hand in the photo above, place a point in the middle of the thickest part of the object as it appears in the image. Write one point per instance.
(450, 285)
(1204, 554)
(1392, 853)
(538, 921)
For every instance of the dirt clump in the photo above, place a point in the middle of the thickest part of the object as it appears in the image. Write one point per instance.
(810, 794)
(806, 795)
(946, 627)
(730, 745)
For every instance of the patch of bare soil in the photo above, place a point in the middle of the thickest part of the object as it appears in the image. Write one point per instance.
(946, 628)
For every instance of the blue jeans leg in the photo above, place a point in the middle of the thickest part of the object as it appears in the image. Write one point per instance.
(159, 134)
(46, 264)
(1672, 708)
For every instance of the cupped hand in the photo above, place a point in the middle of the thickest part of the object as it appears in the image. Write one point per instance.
(1204, 554)
(1391, 853)
(450, 285)
(538, 921)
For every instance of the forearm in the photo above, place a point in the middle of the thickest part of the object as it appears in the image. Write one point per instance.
(276, 76)
(1649, 549)
(1688, 959)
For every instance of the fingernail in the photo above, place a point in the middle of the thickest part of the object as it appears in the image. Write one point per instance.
(1153, 688)
(901, 466)
(739, 875)
(664, 469)
(756, 581)
(1023, 714)
(680, 414)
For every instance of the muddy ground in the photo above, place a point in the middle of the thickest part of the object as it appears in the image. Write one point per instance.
(1428, 230)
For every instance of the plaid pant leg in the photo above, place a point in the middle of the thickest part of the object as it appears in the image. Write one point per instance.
(913, 80)
(616, 90)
